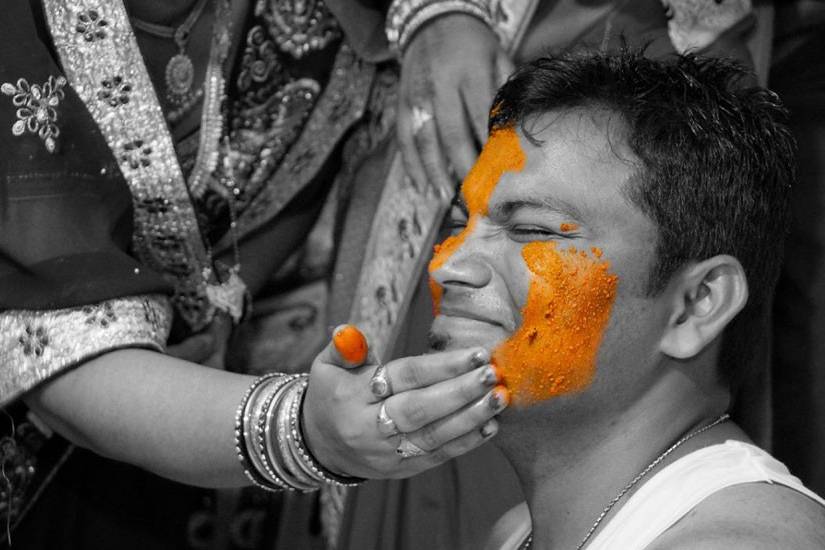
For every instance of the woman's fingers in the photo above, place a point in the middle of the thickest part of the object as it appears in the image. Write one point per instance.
(417, 409)
(430, 151)
(433, 436)
(456, 447)
(409, 153)
(455, 132)
(412, 373)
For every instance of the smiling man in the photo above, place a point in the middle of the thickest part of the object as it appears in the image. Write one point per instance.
(614, 247)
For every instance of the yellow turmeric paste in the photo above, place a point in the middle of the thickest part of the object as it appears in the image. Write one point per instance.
(568, 303)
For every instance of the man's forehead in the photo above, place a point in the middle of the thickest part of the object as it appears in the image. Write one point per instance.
(593, 133)
(576, 164)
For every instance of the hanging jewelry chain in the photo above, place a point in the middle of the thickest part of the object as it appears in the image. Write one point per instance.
(529, 542)
(180, 70)
(229, 295)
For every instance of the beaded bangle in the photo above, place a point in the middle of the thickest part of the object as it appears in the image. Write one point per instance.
(287, 445)
(301, 450)
(268, 466)
(284, 439)
(281, 461)
(405, 17)
(241, 447)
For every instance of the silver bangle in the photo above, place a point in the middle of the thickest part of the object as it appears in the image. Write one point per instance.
(282, 422)
(270, 463)
(241, 436)
(405, 17)
(301, 452)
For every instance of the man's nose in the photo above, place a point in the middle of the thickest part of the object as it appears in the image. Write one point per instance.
(464, 268)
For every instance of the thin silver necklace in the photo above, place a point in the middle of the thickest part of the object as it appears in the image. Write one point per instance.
(529, 542)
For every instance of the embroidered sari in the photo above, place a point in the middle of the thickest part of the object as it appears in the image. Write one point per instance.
(113, 234)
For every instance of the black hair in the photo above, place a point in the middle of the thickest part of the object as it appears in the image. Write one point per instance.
(716, 161)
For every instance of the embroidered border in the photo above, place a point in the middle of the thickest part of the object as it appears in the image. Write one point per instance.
(166, 236)
(35, 345)
(341, 104)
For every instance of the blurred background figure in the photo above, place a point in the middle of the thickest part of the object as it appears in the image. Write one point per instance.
(797, 74)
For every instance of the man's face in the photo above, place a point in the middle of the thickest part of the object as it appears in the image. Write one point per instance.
(549, 270)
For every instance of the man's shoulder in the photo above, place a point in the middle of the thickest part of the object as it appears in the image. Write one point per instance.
(751, 516)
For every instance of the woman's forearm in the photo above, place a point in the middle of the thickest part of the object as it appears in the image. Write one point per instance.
(166, 415)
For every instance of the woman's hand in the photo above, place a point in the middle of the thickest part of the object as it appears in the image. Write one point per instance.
(442, 403)
(449, 75)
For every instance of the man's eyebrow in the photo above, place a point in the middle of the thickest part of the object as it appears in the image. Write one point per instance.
(506, 208)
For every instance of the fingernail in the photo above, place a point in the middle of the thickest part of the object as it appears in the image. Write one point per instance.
(479, 358)
(499, 398)
(489, 376)
(489, 429)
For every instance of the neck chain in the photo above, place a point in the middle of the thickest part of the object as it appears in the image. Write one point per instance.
(231, 294)
(180, 71)
(529, 542)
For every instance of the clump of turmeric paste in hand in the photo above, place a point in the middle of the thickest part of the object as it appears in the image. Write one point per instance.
(351, 344)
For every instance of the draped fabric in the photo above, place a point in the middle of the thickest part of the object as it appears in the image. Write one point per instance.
(70, 271)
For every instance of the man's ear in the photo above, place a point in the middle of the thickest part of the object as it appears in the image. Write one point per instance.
(706, 297)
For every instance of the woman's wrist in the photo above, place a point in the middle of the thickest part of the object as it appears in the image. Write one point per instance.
(269, 437)
(406, 17)
(327, 474)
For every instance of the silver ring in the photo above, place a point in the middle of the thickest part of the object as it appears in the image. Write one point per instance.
(408, 449)
(386, 425)
(380, 385)
(420, 117)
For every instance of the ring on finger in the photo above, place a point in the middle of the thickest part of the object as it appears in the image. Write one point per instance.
(420, 117)
(408, 449)
(386, 425)
(380, 384)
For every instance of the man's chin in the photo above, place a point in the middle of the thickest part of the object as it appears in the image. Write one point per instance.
(448, 333)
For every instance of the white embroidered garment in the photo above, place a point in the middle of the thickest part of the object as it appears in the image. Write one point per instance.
(677, 489)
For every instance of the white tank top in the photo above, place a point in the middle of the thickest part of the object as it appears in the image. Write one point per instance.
(679, 487)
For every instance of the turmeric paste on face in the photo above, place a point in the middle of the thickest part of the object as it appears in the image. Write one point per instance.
(569, 299)
(568, 305)
(502, 153)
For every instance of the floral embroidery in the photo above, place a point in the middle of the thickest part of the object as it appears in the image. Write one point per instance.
(91, 25)
(136, 154)
(102, 314)
(114, 91)
(260, 62)
(36, 345)
(36, 105)
(34, 340)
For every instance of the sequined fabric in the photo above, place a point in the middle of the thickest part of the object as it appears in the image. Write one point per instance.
(109, 66)
(35, 345)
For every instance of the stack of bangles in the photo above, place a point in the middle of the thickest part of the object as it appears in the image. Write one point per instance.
(405, 17)
(269, 438)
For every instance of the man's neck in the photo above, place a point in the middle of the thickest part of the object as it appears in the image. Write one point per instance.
(570, 473)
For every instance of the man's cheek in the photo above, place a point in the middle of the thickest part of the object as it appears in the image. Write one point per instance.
(554, 350)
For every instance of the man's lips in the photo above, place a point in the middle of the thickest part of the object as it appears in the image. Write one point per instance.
(480, 316)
